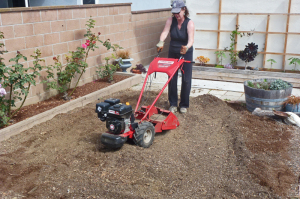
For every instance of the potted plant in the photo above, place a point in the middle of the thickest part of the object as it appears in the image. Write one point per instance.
(292, 104)
(267, 94)
(249, 53)
(138, 69)
(124, 59)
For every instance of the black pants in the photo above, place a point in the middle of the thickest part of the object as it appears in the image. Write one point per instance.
(186, 82)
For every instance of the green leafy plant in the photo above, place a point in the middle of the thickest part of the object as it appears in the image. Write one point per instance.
(76, 63)
(220, 55)
(108, 70)
(232, 53)
(18, 80)
(272, 61)
(279, 84)
(294, 60)
(65, 73)
(219, 66)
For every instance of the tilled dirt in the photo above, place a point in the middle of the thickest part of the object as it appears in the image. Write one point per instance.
(219, 150)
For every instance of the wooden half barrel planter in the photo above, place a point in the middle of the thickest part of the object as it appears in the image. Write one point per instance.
(265, 99)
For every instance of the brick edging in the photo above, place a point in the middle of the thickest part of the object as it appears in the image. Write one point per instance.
(64, 108)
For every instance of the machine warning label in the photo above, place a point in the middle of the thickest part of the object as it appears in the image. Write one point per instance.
(164, 64)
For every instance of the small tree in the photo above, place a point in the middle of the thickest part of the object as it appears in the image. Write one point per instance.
(294, 60)
(249, 53)
(220, 54)
(272, 61)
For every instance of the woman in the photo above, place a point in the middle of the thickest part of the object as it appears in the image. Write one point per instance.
(181, 30)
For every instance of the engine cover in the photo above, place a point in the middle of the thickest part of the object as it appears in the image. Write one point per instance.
(115, 126)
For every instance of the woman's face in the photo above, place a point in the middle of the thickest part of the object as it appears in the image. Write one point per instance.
(179, 15)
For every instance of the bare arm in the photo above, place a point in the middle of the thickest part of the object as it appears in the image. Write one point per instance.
(166, 30)
(190, 30)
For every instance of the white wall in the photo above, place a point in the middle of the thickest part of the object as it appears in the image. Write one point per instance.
(140, 4)
(33, 3)
(137, 5)
(247, 23)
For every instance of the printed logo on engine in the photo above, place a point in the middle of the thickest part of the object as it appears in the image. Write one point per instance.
(164, 64)
(114, 112)
(112, 127)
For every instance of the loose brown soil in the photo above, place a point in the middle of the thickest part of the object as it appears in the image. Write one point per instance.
(219, 150)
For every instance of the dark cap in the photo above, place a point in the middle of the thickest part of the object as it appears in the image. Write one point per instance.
(176, 6)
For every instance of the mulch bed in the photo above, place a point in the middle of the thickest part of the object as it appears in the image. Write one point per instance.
(34, 109)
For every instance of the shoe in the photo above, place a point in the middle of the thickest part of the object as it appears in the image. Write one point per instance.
(173, 109)
(183, 110)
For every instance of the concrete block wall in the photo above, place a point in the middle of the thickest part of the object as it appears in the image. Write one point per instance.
(56, 30)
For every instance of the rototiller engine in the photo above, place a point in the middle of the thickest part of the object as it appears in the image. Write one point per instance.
(141, 125)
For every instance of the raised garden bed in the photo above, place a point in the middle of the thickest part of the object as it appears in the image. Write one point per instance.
(58, 106)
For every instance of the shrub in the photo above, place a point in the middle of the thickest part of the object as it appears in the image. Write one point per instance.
(76, 63)
(249, 53)
(108, 70)
(18, 80)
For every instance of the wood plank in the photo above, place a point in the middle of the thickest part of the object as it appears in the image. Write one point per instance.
(266, 41)
(236, 37)
(244, 13)
(262, 32)
(286, 36)
(238, 79)
(272, 53)
(246, 76)
(247, 72)
(219, 26)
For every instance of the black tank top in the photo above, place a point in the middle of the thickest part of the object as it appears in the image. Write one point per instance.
(178, 37)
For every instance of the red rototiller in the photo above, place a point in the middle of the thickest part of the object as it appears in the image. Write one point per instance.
(144, 123)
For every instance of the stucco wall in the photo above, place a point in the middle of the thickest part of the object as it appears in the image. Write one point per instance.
(275, 42)
(52, 2)
(137, 5)
(56, 31)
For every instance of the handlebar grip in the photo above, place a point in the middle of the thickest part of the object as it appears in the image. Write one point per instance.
(192, 62)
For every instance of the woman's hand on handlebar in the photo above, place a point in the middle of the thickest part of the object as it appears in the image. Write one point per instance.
(160, 46)
(183, 50)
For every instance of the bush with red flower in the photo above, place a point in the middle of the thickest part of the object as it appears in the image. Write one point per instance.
(76, 63)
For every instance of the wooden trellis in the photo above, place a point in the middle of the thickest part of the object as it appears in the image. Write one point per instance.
(267, 32)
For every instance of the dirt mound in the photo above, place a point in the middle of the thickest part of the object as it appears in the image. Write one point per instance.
(218, 151)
